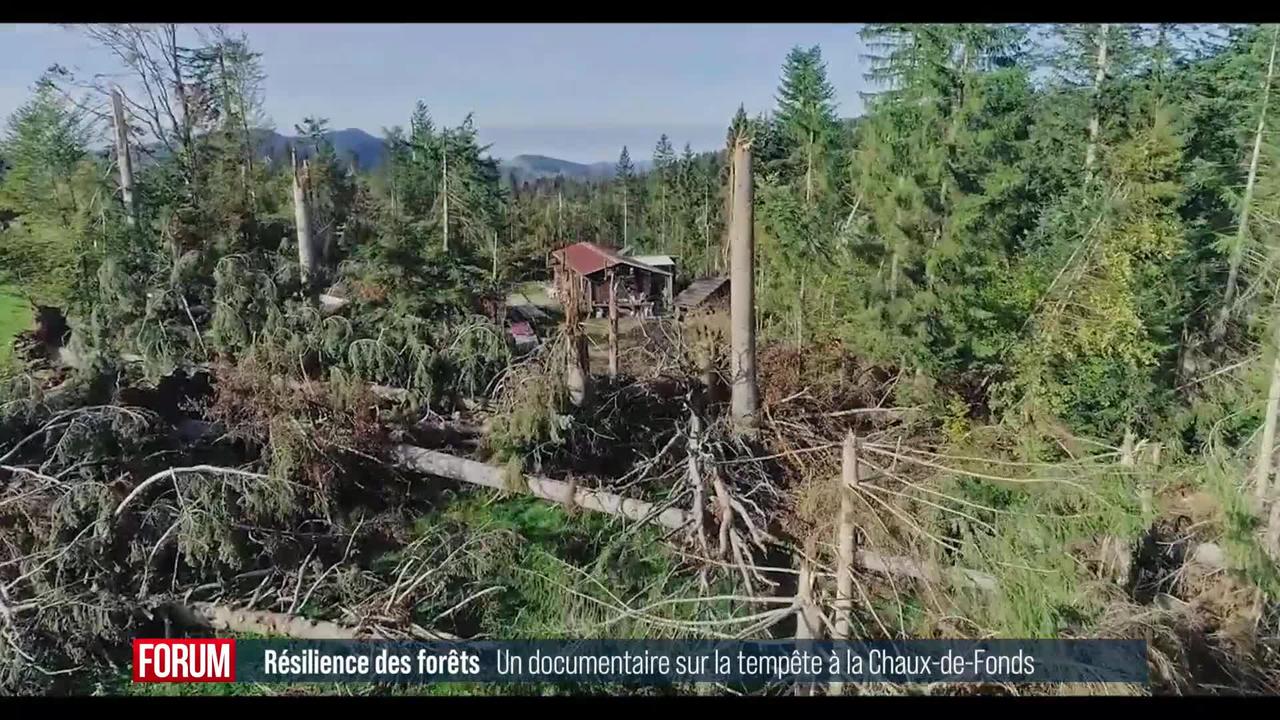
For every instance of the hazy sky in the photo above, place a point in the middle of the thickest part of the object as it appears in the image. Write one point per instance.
(574, 91)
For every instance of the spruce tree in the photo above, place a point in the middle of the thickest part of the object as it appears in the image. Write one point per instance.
(624, 175)
(48, 183)
(663, 180)
(807, 117)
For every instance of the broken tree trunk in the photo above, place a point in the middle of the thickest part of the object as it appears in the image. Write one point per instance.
(808, 619)
(1126, 449)
(613, 323)
(696, 479)
(1242, 225)
(123, 158)
(849, 477)
(745, 400)
(307, 261)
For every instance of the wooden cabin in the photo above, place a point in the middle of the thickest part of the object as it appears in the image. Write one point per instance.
(643, 289)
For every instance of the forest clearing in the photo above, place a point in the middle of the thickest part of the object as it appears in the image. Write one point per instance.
(14, 318)
(995, 359)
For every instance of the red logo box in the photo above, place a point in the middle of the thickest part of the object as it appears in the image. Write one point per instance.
(184, 660)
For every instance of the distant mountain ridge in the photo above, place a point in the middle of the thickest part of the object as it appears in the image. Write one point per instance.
(369, 153)
(534, 167)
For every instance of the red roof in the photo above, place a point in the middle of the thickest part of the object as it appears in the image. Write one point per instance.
(586, 258)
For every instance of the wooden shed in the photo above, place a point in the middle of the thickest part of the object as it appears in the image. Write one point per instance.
(705, 294)
(642, 289)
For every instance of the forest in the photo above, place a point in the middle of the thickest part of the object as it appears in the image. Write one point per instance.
(1002, 361)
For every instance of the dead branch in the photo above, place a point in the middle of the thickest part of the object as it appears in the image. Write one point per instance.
(174, 472)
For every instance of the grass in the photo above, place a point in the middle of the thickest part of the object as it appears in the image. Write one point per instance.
(536, 293)
(15, 317)
(1241, 527)
(1038, 539)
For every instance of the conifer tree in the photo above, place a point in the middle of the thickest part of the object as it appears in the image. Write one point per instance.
(48, 182)
(663, 180)
(624, 175)
(44, 145)
(1246, 200)
(806, 115)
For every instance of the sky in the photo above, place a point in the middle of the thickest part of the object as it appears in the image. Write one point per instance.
(573, 91)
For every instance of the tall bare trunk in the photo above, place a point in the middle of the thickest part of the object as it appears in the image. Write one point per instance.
(302, 218)
(800, 315)
(1095, 123)
(613, 324)
(248, 151)
(1242, 226)
(495, 256)
(706, 229)
(745, 402)
(726, 239)
(123, 158)
(445, 182)
(624, 215)
(1262, 471)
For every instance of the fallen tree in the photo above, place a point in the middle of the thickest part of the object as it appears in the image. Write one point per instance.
(455, 468)
(432, 462)
(260, 622)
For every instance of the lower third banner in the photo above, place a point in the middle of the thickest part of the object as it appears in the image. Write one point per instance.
(659, 662)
